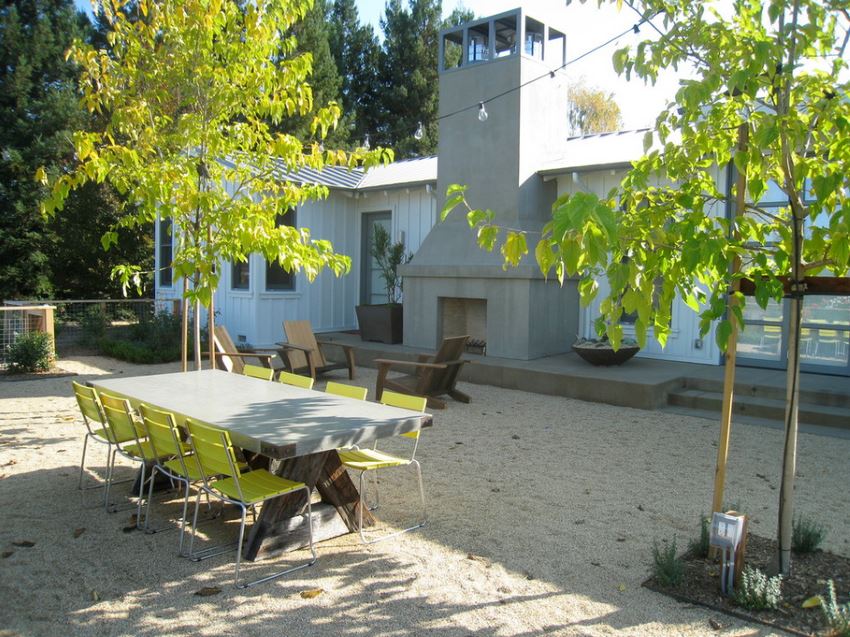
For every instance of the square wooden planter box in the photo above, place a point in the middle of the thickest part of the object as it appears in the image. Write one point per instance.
(381, 323)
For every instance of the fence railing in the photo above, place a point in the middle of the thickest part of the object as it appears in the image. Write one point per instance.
(19, 320)
(71, 315)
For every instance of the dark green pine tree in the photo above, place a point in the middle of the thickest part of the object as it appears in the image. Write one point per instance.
(408, 73)
(312, 34)
(38, 109)
(357, 53)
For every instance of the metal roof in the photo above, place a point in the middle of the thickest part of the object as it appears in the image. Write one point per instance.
(331, 176)
(407, 172)
(598, 152)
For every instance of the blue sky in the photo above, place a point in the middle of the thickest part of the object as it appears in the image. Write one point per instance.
(586, 25)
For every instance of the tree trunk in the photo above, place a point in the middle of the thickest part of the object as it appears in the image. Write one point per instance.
(184, 329)
(789, 455)
(197, 332)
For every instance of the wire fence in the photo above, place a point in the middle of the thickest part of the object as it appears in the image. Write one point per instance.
(72, 317)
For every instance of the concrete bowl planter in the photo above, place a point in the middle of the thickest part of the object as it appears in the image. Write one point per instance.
(381, 323)
(600, 352)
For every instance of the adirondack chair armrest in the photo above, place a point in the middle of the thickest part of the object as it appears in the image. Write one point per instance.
(385, 362)
(300, 348)
(345, 348)
(265, 359)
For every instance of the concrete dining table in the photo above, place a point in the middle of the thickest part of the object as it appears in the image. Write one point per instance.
(294, 432)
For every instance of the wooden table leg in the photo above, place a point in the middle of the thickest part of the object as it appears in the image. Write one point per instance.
(276, 530)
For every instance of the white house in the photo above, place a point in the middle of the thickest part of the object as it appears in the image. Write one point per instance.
(516, 161)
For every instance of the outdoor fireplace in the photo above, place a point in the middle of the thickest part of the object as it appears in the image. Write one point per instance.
(460, 317)
(452, 285)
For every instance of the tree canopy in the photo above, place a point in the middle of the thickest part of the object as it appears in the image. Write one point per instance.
(192, 90)
(591, 110)
(38, 110)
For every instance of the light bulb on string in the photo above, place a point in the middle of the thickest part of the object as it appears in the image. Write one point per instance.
(420, 132)
(482, 112)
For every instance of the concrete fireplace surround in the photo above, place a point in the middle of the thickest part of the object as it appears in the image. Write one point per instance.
(498, 160)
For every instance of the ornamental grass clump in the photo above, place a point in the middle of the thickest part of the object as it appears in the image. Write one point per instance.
(757, 591)
(700, 546)
(667, 567)
(807, 535)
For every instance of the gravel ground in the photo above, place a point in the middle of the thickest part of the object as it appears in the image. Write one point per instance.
(543, 511)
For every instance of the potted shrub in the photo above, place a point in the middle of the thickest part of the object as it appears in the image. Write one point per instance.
(383, 323)
(598, 351)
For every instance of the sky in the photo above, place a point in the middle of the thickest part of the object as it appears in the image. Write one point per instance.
(586, 26)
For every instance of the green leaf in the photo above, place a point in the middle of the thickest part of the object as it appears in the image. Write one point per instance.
(514, 248)
(722, 334)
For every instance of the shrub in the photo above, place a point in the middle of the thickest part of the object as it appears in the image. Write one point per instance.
(667, 567)
(31, 352)
(135, 352)
(807, 535)
(701, 546)
(757, 591)
(836, 616)
(93, 323)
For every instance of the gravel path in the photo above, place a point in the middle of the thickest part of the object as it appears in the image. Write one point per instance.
(542, 515)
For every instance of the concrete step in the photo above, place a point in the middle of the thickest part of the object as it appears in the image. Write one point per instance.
(743, 389)
(825, 415)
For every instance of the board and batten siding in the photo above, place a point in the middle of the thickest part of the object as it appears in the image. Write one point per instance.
(684, 342)
(256, 316)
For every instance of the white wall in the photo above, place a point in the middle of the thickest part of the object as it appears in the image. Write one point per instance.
(684, 342)
(256, 315)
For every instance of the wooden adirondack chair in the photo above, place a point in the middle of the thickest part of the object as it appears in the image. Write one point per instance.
(303, 353)
(232, 359)
(433, 376)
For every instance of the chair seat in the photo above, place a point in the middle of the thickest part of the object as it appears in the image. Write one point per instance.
(192, 467)
(256, 486)
(145, 449)
(369, 459)
(193, 470)
(101, 434)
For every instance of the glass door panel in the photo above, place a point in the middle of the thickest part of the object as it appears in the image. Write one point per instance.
(826, 332)
(762, 339)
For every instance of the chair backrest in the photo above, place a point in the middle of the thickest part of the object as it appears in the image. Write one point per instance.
(440, 380)
(120, 424)
(162, 431)
(349, 391)
(213, 449)
(296, 380)
(89, 405)
(224, 345)
(255, 371)
(301, 333)
(405, 401)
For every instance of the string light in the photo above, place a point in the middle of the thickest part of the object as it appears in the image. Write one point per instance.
(482, 112)
(420, 132)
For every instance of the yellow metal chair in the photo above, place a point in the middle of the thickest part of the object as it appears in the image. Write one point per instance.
(349, 391)
(288, 378)
(365, 460)
(217, 456)
(173, 459)
(255, 371)
(128, 437)
(93, 416)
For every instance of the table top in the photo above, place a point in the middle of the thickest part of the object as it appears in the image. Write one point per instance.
(276, 420)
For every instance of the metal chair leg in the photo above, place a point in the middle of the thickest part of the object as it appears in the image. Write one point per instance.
(268, 578)
(419, 525)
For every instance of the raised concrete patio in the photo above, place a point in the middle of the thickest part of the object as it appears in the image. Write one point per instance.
(647, 384)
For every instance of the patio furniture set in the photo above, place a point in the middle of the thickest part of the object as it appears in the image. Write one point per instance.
(247, 440)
